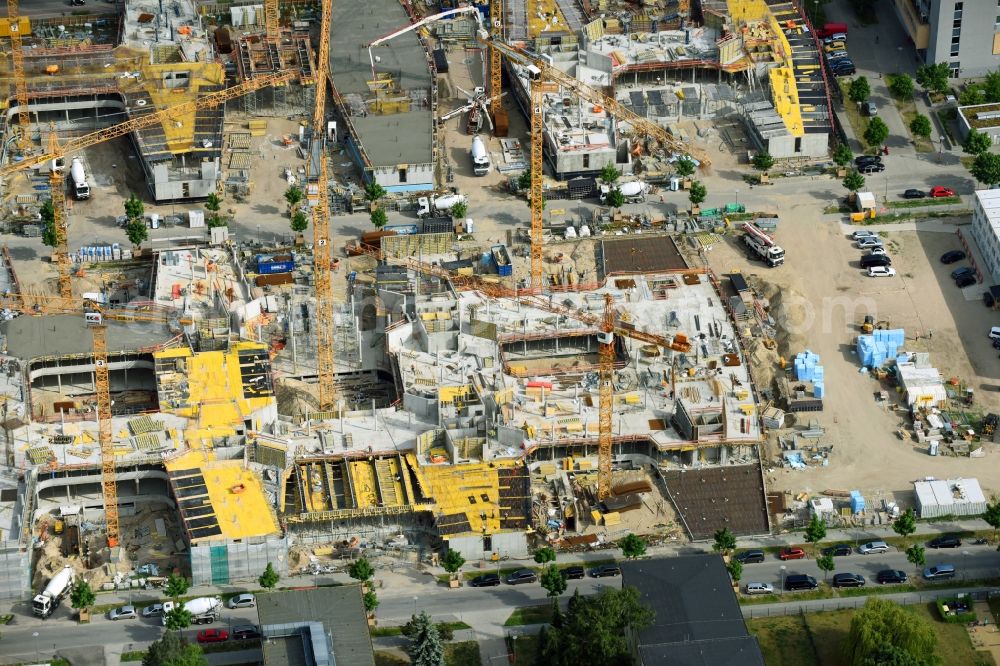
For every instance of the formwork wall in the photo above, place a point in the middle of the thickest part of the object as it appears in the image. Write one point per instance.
(15, 571)
(224, 562)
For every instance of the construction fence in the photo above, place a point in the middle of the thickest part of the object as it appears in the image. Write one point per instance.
(224, 562)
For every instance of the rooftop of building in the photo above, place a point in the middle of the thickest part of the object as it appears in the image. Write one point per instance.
(195, 280)
(69, 335)
(697, 616)
(146, 27)
(285, 618)
(981, 116)
(989, 201)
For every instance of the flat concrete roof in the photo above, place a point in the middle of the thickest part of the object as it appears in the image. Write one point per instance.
(67, 335)
(402, 138)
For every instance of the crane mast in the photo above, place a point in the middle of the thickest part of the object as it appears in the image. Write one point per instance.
(496, 34)
(20, 83)
(606, 398)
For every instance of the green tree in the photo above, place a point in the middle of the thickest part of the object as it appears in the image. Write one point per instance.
(697, 193)
(374, 192)
(916, 555)
(976, 142)
(426, 648)
(934, 77)
(294, 196)
(992, 515)
(300, 222)
(370, 600)
(986, 168)
(906, 524)
(684, 167)
(134, 208)
(176, 586)
(859, 91)
(826, 564)
(991, 87)
(178, 618)
(82, 596)
(921, 125)
(553, 581)
(973, 94)
(216, 220)
(901, 86)
(459, 210)
(633, 546)
(452, 561)
(545, 554)
(763, 161)
(213, 203)
(136, 231)
(725, 541)
(269, 579)
(48, 214)
(815, 530)
(888, 654)
(172, 650)
(615, 198)
(877, 132)
(735, 569)
(881, 621)
(524, 180)
(609, 174)
(842, 155)
(594, 629)
(854, 181)
(379, 218)
(361, 569)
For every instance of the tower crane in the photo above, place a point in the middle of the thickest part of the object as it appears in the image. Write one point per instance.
(606, 398)
(496, 35)
(57, 186)
(271, 15)
(321, 225)
(20, 83)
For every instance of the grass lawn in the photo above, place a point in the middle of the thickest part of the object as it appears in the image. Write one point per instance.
(465, 653)
(524, 650)
(783, 640)
(908, 110)
(858, 122)
(530, 615)
(390, 658)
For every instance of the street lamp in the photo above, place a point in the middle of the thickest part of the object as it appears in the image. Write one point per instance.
(737, 198)
(415, 605)
(38, 654)
(782, 568)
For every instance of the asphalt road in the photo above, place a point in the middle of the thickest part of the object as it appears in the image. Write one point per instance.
(43, 8)
(971, 563)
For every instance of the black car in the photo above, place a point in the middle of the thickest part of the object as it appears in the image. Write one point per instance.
(245, 632)
(965, 280)
(848, 580)
(572, 573)
(890, 576)
(862, 160)
(750, 557)
(952, 256)
(521, 576)
(914, 194)
(872, 168)
(839, 550)
(486, 580)
(945, 542)
(605, 570)
(964, 270)
(845, 71)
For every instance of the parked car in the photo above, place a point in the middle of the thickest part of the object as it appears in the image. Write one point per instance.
(572, 573)
(875, 260)
(914, 194)
(791, 554)
(874, 547)
(521, 576)
(840, 550)
(881, 271)
(486, 580)
(876, 251)
(242, 601)
(835, 37)
(863, 233)
(213, 636)
(759, 588)
(605, 570)
(891, 576)
(939, 572)
(994, 333)
(835, 46)
(846, 70)
(800, 582)
(951, 256)
(870, 108)
(862, 160)
(122, 613)
(964, 270)
(965, 280)
(848, 580)
(869, 242)
(939, 191)
(245, 632)
(750, 557)
(872, 168)
(833, 55)
(154, 610)
(947, 541)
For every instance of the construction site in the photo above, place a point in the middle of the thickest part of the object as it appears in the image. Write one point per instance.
(222, 402)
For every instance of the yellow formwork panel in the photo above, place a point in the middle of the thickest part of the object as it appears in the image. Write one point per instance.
(236, 495)
(169, 84)
(461, 489)
(544, 16)
(363, 481)
(747, 10)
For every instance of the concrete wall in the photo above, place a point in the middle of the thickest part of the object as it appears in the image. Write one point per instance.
(419, 178)
(512, 544)
(808, 145)
(197, 182)
(977, 55)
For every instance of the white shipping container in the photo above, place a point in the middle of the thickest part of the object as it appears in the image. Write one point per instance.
(196, 218)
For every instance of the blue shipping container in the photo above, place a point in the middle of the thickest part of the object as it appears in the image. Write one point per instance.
(272, 267)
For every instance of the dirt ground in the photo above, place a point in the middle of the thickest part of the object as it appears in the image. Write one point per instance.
(823, 294)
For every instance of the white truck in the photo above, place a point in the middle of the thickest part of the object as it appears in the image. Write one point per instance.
(45, 603)
(81, 190)
(480, 157)
(763, 245)
(634, 191)
(204, 610)
(438, 206)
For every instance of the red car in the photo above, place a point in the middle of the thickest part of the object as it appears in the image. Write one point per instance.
(213, 635)
(792, 554)
(939, 191)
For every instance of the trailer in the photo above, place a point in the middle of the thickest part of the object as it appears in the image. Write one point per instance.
(501, 260)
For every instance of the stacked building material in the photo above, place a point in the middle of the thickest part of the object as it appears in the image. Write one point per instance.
(808, 369)
(880, 347)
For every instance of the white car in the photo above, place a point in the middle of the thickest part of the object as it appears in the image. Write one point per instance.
(242, 601)
(878, 250)
(874, 547)
(881, 271)
(122, 613)
(995, 333)
(759, 588)
(870, 242)
(862, 233)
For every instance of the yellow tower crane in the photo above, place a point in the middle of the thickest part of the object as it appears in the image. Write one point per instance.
(20, 83)
(496, 35)
(60, 250)
(271, 15)
(606, 396)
